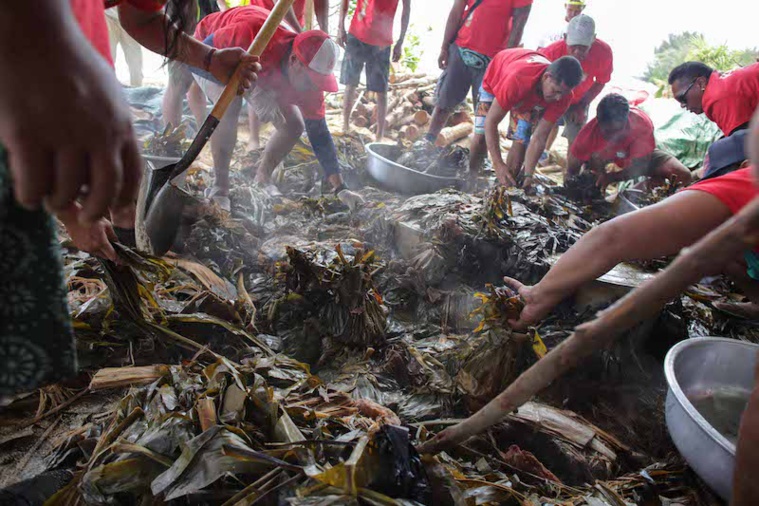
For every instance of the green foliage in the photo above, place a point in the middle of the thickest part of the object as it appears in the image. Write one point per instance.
(412, 55)
(692, 46)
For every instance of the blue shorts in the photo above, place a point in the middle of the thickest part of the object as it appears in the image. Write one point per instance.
(484, 101)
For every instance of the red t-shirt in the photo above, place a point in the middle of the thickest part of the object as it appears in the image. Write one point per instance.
(731, 98)
(237, 28)
(488, 29)
(91, 18)
(299, 7)
(734, 189)
(373, 22)
(513, 77)
(597, 65)
(638, 141)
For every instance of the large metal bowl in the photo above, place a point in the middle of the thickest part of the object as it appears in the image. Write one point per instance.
(710, 380)
(402, 179)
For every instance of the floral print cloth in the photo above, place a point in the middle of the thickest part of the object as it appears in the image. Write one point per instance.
(36, 338)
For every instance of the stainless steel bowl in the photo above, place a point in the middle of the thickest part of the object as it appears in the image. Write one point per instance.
(402, 179)
(710, 380)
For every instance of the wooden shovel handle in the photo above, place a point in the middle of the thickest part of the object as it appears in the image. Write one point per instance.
(256, 49)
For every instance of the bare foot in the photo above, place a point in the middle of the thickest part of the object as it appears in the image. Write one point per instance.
(747, 310)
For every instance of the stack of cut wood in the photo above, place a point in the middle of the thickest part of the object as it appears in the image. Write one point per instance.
(410, 102)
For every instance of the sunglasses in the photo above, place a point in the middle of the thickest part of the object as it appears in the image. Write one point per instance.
(682, 97)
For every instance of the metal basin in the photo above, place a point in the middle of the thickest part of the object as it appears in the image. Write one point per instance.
(402, 179)
(710, 380)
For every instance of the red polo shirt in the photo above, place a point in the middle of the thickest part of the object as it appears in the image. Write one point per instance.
(237, 28)
(514, 76)
(597, 65)
(735, 189)
(91, 18)
(373, 22)
(488, 29)
(637, 141)
(731, 98)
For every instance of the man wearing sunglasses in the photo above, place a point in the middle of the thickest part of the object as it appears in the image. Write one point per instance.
(728, 99)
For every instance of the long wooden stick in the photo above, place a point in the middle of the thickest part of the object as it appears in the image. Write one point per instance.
(712, 252)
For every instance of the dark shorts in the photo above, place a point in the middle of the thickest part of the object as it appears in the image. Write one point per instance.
(36, 339)
(457, 80)
(376, 59)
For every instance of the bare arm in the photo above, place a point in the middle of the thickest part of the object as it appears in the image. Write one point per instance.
(519, 20)
(151, 30)
(536, 148)
(405, 16)
(321, 9)
(591, 94)
(451, 28)
(492, 138)
(676, 222)
(341, 35)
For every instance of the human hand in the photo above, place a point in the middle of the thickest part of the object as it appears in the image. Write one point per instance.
(94, 239)
(603, 180)
(398, 51)
(528, 184)
(224, 62)
(535, 308)
(442, 60)
(342, 37)
(68, 130)
(503, 175)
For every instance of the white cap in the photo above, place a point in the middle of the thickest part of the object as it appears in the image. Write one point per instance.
(581, 31)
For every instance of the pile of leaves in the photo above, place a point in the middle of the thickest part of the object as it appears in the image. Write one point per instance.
(449, 161)
(172, 142)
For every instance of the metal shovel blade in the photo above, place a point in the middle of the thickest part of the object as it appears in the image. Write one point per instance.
(164, 218)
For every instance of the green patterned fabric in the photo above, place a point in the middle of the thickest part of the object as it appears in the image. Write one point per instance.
(36, 338)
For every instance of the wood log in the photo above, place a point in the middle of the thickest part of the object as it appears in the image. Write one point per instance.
(429, 101)
(448, 136)
(360, 110)
(406, 120)
(398, 115)
(113, 377)
(360, 121)
(414, 83)
(719, 248)
(400, 78)
(421, 118)
(410, 132)
(459, 117)
(412, 96)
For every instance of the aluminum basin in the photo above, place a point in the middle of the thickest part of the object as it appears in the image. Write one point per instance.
(710, 380)
(402, 179)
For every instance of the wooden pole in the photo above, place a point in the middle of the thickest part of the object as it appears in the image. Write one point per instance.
(711, 253)
(309, 25)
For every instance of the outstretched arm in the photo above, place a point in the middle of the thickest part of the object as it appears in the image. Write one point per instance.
(152, 30)
(676, 222)
(493, 140)
(537, 146)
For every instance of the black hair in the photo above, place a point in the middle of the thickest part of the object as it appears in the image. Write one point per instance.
(690, 71)
(612, 108)
(567, 71)
(182, 16)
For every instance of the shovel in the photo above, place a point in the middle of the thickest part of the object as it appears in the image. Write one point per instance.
(164, 201)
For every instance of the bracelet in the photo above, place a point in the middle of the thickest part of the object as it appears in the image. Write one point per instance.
(207, 60)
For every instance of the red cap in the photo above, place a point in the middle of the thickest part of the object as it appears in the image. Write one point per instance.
(318, 53)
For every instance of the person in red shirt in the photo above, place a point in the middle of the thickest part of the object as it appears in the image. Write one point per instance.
(297, 70)
(728, 99)
(623, 136)
(536, 92)
(597, 63)
(368, 44)
(475, 32)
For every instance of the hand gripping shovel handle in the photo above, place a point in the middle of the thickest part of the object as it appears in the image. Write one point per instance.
(230, 90)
